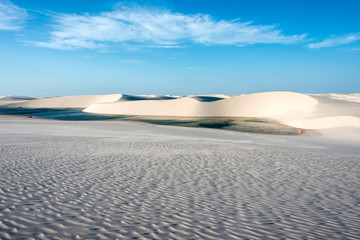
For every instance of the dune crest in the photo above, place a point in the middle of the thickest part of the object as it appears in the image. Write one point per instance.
(252, 105)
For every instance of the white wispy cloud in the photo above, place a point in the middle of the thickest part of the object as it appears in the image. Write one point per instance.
(12, 17)
(154, 27)
(336, 41)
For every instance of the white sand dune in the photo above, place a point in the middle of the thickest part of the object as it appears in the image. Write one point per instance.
(327, 113)
(108, 180)
(67, 102)
(293, 109)
(5, 100)
(355, 97)
(252, 105)
(317, 111)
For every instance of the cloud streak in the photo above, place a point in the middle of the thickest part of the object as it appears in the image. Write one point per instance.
(154, 27)
(336, 41)
(12, 17)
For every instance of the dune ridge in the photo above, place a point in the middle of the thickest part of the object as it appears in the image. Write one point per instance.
(251, 105)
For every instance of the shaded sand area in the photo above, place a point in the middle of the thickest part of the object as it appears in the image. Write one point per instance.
(112, 180)
(241, 124)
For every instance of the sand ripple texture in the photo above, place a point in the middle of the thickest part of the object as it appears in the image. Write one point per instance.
(109, 181)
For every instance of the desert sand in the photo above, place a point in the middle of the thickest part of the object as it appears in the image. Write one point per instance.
(335, 116)
(118, 180)
(113, 180)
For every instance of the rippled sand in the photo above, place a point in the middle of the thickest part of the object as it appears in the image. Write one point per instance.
(67, 180)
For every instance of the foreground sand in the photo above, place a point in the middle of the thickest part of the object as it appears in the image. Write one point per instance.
(105, 180)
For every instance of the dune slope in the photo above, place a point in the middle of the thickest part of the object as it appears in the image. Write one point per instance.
(252, 105)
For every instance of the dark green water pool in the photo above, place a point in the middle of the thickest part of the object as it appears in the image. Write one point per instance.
(251, 125)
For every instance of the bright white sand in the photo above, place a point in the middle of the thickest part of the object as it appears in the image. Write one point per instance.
(252, 105)
(331, 114)
(106, 180)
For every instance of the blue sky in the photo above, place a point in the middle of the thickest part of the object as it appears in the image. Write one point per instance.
(52, 48)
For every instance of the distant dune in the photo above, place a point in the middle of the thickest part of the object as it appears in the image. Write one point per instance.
(307, 111)
(5, 100)
(252, 105)
(65, 102)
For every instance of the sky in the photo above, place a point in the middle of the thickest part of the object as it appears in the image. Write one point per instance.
(178, 47)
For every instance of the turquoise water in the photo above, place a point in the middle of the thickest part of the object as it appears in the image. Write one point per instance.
(251, 125)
